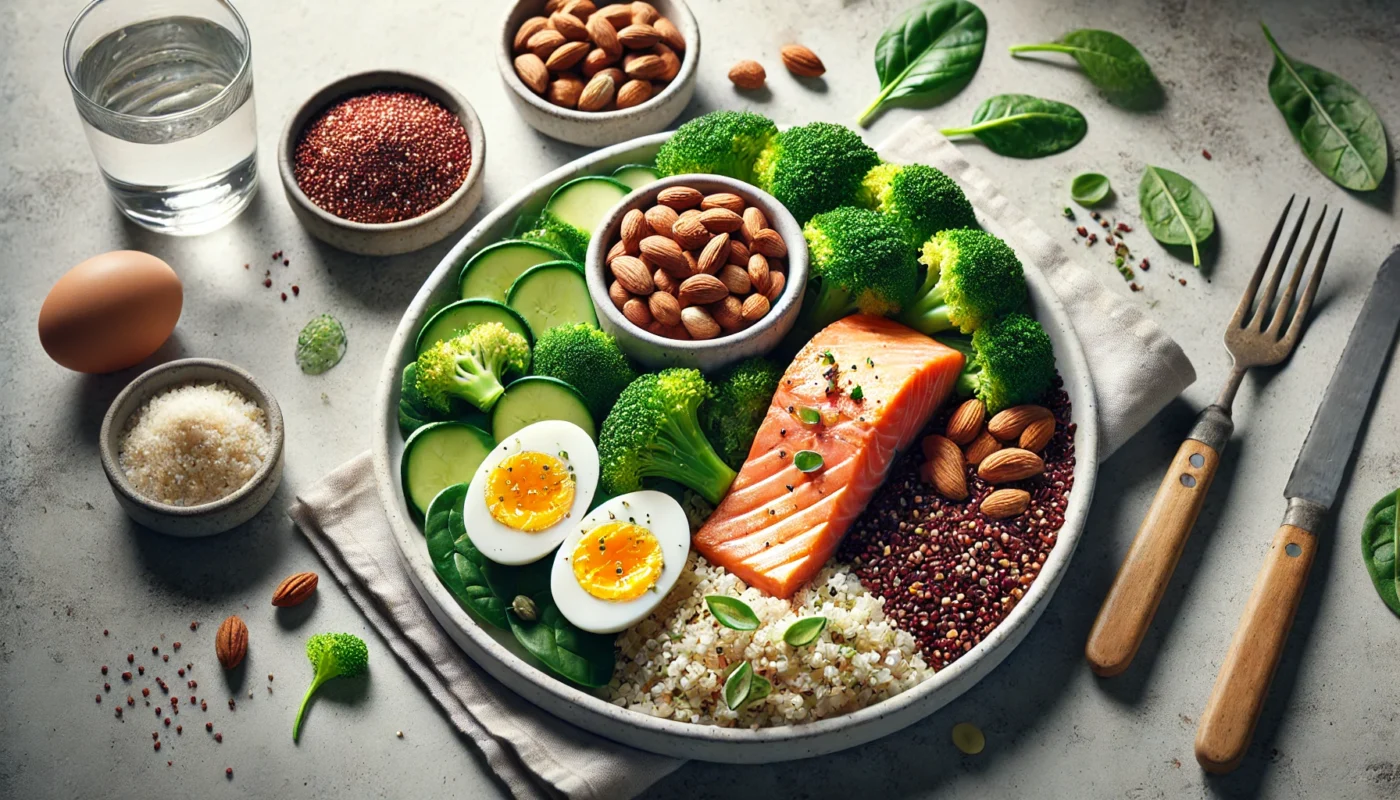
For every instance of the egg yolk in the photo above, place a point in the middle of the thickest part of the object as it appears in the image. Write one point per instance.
(617, 561)
(530, 491)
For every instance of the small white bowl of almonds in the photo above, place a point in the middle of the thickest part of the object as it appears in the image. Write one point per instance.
(697, 271)
(598, 73)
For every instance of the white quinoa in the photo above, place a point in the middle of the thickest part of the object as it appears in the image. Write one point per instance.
(673, 663)
(194, 444)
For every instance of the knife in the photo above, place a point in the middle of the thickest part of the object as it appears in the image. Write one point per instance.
(1227, 724)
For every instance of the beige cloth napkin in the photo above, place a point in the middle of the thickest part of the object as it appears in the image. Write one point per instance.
(1136, 367)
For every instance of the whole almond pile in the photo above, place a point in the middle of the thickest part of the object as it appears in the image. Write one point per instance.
(598, 59)
(696, 266)
(1004, 449)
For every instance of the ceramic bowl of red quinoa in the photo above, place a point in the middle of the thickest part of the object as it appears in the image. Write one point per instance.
(348, 194)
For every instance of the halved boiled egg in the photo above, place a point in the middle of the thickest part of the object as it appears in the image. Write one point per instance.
(530, 491)
(616, 565)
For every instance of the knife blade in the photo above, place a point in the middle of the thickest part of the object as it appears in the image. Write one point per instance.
(1317, 474)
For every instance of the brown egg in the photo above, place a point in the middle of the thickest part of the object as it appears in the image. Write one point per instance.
(110, 312)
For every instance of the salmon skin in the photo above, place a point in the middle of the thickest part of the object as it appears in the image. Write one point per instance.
(778, 525)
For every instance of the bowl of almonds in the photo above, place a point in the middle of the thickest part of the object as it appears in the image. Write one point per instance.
(697, 271)
(594, 73)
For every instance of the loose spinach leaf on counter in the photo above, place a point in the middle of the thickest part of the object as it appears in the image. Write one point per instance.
(1022, 126)
(582, 657)
(1089, 189)
(1335, 125)
(1111, 62)
(459, 565)
(931, 52)
(1174, 210)
(1379, 538)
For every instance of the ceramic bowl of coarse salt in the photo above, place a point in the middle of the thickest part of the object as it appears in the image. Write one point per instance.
(193, 447)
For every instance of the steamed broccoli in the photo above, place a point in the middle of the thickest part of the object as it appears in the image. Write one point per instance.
(814, 168)
(1010, 361)
(333, 655)
(919, 197)
(860, 262)
(971, 277)
(740, 402)
(570, 241)
(654, 432)
(721, 143)
(471, 365)
(588, 360)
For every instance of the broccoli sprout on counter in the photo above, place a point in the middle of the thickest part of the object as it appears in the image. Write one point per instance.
(971, 277)
(588, 360)
(333, 655)
(471, 365)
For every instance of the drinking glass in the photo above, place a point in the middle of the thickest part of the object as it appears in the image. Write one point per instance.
(165, 92)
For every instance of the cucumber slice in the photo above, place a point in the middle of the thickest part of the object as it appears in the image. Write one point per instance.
(636, 175)
(576, 208)
(530, 400)
(489, 273)
(465, 313)
(551, 295)
(439, 455)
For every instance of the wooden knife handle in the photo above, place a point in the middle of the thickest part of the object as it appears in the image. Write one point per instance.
(1227, 724)
(1132, 601)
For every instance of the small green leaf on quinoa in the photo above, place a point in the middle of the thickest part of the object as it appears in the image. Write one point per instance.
(738, 686)
(804, 631)
(732, 612)
(808, 460)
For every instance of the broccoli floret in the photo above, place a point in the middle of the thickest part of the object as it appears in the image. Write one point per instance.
(654, 432)
(919, 197)
(740, 402)
(471, 365)
(588, 360)
(333, 655)
(971, 277)
(721, 143)
(320, 345)
(814, 168)
(1010, 362)
(860, 262)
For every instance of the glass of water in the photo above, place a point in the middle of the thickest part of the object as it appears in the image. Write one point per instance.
(165, 91)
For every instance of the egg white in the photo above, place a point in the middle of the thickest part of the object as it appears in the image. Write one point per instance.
(504, 544)
(655, 511)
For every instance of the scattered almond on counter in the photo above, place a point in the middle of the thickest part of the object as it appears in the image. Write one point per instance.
(801, 61)
(231, 642)
(295, 589)
(748, 74)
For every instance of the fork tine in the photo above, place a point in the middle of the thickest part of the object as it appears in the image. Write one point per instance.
(1295, 327)
(1286, 302)
(1276, 276)
(1247, 301)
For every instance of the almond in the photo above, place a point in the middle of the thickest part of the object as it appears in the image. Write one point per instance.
(1038, 434)
(738, 253)
(532, 72)
(984, 445)
(644, 13)
(661, 218)
(945, 467)
(1006, 503)
(728, 200)
(663, 253)
(680, 198)
(755, 308)
(295, 589)
(633, 93)
(664, 307)
(618, 14)
(569, 26)
(1008, 423)
(692, 263)
(758, 272)
(551, 6)
(637, 312)
(618, 249)
(565, 90)
(769, 243)
(528, 28)
(777, 281)
(566, 56)
(633, 275)
(618, 295)
(729, 313)
(966, 421)
(665, 283)
(670, 34)
(715, 254)
(754, 221)
(669, 59)
(638, 36)
(634, 229)
(699, 290)
(231, 642)
(721, 220)
(645, 67)
(690, 232)
(597, 93)
(698, 323)
(748, 74)
(735, 279)
(544, 42)
(583, 9)
(1010, 464)
(801, 61)
(676, 331)
(604, 36)
(596, 63)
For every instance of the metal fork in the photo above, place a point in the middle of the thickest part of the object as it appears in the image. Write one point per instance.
(1253, 341)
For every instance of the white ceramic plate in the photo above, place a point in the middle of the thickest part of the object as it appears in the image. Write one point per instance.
(498, 653)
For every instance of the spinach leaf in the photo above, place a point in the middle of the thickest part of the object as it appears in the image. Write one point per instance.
(930, 52)
(1022, 126)
(459, 565)
(1174, 210)
(1111, 62)
(582, 657)
(1089, 189)
(1337, 128)
(1379, 539)
(414, 411)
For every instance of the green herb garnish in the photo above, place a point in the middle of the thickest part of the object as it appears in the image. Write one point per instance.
(804, 631)
(1174, 210)
(857, 394)
(809, 415)
(1089, 189)
(732, 612)
(808, 460)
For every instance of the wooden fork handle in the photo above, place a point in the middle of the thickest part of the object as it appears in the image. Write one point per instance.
(1132, 601)
(1227, 724)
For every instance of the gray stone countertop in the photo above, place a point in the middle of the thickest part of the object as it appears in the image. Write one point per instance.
(73, 565)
